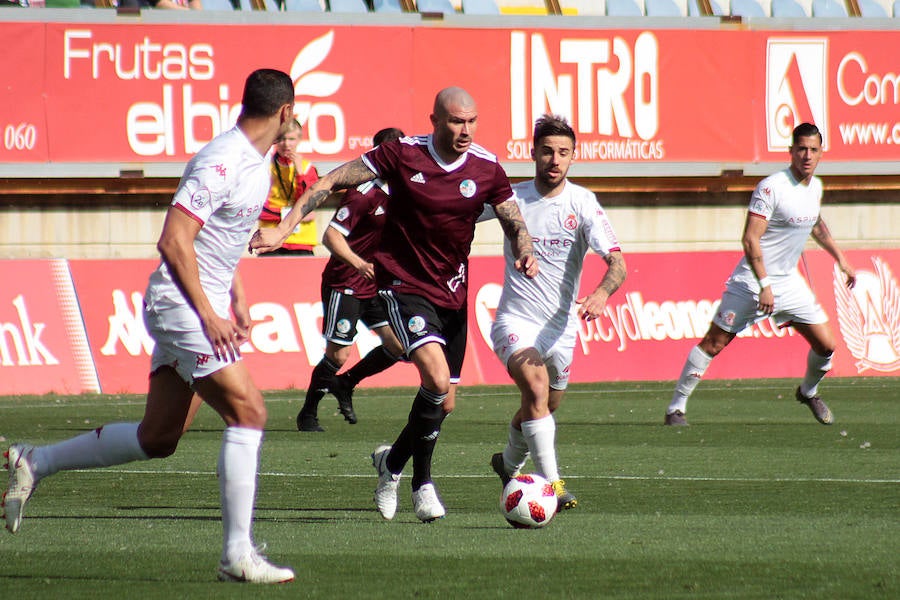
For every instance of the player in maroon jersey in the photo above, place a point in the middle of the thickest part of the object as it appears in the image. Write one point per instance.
(439, 185)
(349, 295)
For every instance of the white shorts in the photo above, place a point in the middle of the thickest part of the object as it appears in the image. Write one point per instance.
(511, 334)
(794, 303)
(181, 343)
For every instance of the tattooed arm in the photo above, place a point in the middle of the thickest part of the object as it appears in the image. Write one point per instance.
(593, 305)
(822, 235)
(514, 228)
(347, 175)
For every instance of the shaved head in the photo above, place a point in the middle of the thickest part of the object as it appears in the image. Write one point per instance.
(455, 121)
(452, 96)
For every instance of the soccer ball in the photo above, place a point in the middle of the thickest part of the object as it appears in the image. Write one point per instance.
(528, 501)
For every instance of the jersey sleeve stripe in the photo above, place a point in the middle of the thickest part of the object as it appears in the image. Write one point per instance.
(185, 210)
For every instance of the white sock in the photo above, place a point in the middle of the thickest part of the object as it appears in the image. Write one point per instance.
(540, 435)
(113, 444)
(816, 368)
(516, 452)
(694, 368)
(237, 470)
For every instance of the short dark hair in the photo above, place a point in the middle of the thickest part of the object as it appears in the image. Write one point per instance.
(265, 91)
(386, 135)
(805, 130)
(552, 125)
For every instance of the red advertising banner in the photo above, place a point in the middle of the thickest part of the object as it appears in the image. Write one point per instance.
(43, 346)
(51, 340)
(150, 93)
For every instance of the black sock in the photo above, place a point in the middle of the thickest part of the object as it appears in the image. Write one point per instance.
(376, 361)
(429, 411)
(320, 381)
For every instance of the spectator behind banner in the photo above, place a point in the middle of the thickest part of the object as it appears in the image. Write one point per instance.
(291, 176)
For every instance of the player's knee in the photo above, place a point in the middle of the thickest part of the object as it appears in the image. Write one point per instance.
(159, 446)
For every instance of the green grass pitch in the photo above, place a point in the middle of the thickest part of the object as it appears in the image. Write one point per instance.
(753, 500)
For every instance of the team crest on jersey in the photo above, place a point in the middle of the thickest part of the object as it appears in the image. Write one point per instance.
(467, 188)
(513, 338)
(200, 198)
(342, 326)
(342, 213)
(571, 223)
(416, 324)
(869, 317)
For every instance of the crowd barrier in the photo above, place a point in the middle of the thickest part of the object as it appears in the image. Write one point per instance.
(74, 326)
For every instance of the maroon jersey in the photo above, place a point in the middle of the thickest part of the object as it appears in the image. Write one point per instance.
(360, 219)
(431, 216)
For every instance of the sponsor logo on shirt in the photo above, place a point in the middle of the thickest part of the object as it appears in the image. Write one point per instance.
(417, 178)
(220, 169)
(379, 211)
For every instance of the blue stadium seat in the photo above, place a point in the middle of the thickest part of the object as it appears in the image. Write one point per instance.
(694, 8)
(347, 6)
(870, 8)
(387, 6)
(300, 5)
(747, 8)
(480, 7)
(623, 8)
(217, 5)
(787, 9)
(435, 6)
(828, 8)
(662, 8)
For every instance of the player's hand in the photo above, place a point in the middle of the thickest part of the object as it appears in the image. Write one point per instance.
(591, 307)
(850, 273)
(265, 240)
(366, 270)
(528, 265)
(766, 300)
(226, 337)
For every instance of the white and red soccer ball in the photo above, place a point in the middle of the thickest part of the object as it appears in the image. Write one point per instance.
(528, 501)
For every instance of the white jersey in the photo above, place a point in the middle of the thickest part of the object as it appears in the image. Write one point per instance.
(223, 188)
(791, 209)
(562, 229)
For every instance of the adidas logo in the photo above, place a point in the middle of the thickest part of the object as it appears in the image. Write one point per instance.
(379, 211)
(417, 178)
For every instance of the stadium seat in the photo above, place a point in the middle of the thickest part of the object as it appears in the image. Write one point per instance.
(347, 6)
(747, 8)
(787, 9)
(299, 5)
(871, 8)
(217, 5)
(828, 8)
(623, 8)
(662, 8)
(435, 6)
(387, 6)
(694, 8)
(480, 7)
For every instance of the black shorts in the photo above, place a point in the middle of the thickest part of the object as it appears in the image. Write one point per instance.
(416, 321)
(342, 311)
